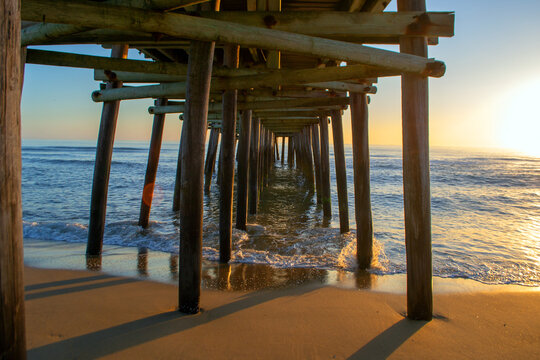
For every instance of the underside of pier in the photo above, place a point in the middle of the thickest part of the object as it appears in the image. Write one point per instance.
(251, 74)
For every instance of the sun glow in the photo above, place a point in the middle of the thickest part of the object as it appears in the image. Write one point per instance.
(519, 119)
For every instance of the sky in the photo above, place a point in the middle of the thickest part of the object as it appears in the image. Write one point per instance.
(487, 98)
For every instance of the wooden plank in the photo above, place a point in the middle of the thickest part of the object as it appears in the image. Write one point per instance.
(274, 78)
(196, 28)
(416, 183)
(102, 167)
(253, 196)
(362, 200)
(12, 317)
(191, 201)
(227, 157)
(341, 176)
(243, 170)
(152, 166)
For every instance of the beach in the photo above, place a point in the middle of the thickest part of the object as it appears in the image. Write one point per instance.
(84, 315)
(124, 306)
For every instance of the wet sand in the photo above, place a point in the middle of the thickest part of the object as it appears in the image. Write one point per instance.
(83, 314)
(123, 305)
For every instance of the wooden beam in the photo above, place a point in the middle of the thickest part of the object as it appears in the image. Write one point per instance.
(274, 78)
(346, 26)
(191, 200)
(227, 157)
(148, 40)
(260, 105)
(416, 183)
(196, 28)
(43, 33)
(253, 195)
(210, 162)
(344, 86)
(12, 317)
(243, 171)
(151, 166)
(130, 68)
(341, 176)
(102, 167)
(362, 201)
(325, 168)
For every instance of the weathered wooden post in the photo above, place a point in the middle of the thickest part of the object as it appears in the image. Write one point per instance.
(262, 147)
(341, 175)
(201, 55)
(316, 159)
(243, 169)
(362, 201)
(290, 153)
(102, 167)
(282, 151)
(309, 156)
(152, 165)
(276, 148)
(178, 179)
(325, 168)
(12, 334)
(254, 166)
(416, 184)
(227, 150)
(211, 155)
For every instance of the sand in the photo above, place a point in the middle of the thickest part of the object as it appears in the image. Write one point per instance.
(81, 314)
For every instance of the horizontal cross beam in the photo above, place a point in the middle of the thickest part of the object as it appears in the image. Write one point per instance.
(100, 15)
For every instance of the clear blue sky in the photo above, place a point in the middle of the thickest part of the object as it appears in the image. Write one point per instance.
(486, 98)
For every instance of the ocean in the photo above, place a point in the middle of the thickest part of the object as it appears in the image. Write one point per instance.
(485, 211)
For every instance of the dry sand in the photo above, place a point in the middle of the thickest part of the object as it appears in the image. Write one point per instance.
(80, 314)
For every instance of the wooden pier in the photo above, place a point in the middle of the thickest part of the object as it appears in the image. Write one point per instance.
(248, 71)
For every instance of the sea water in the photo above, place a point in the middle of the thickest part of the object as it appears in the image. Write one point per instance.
(485, 211)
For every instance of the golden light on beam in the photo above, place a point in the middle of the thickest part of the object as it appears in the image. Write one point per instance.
(519, 119)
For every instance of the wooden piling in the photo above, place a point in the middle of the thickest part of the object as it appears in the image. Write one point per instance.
(178, 179)
(12, 334)
(282, 151)
(191, 204)
(102, 167)
(316, 159)
(243, 169)
(211, 155)
(362, 201)
(253, 197)
(416, 183)
(341, 175)
(325, 168)
(277, 148)
(152, 165)
(290, 153)
(227, 150)
(306, 134)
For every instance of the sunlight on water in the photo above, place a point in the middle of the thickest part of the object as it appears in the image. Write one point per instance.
(485, 212)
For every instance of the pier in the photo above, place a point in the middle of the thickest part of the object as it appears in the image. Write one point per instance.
(244, 77)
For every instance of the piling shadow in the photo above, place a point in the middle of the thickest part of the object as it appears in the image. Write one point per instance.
(121, 337)
(65, 282)
(62, 291)
(384, 344)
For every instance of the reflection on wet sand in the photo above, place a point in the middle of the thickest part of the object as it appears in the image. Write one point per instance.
(142, 261)
(93, 263)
